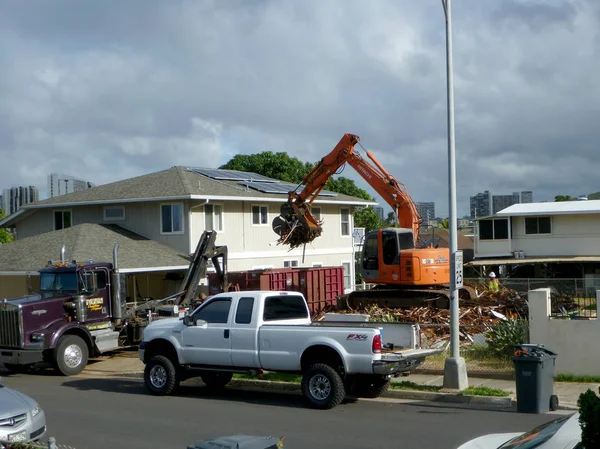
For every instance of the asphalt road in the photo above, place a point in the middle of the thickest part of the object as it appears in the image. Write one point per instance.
(106, 413)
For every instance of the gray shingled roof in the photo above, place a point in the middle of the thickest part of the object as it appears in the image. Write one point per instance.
(89, 241)
(176, 182)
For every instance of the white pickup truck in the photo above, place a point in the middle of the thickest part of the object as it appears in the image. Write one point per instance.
(248, 332)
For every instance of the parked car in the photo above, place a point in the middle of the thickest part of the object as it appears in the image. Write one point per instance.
(560, 433)
(21, 418)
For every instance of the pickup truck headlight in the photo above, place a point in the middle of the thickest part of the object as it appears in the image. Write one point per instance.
(36, 410)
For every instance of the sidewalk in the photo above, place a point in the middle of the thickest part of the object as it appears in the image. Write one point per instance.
(129, 365)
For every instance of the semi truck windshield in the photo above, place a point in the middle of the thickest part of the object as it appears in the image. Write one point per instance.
(58, 282)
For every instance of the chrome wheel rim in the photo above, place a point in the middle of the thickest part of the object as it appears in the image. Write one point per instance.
(319, 386)
(158, 376)
(73, 356)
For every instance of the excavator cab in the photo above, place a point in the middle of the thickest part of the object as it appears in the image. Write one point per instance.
(382, 251)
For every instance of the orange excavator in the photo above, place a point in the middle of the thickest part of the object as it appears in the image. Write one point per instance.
(406, 274)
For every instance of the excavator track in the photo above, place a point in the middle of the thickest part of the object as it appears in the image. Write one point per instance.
(403, 298)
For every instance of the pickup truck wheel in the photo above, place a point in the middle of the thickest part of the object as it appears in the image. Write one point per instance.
(323, 386)
(216, 380)
(160, 376)
(71, 355)
(371, 386)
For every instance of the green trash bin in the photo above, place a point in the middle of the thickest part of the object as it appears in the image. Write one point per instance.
(534, 374)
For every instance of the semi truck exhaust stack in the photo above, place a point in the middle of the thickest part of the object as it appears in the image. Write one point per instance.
(119, 287)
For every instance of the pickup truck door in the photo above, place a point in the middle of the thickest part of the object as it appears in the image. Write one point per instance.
(244, 334)
(210, 344)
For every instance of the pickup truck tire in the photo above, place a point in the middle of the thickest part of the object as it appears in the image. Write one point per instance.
(71, 355)
(160, 376)
(323, 387)
(216, 380)
(371, 386)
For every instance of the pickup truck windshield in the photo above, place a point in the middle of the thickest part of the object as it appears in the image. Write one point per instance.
(58, 282)
(285, 308)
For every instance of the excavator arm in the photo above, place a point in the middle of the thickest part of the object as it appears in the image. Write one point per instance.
(296, 225)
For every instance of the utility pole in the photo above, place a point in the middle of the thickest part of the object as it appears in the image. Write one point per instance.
(455, 369)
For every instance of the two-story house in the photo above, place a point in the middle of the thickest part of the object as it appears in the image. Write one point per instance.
(558, 239)
(174, 206)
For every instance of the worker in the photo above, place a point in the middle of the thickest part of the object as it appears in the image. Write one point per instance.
(494, 285)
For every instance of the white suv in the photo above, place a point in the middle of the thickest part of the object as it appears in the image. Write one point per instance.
(21, 418)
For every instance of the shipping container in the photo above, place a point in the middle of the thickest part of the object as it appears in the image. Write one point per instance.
(320, 285)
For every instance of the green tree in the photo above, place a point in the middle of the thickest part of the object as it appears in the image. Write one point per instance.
(563, 198)
(391, 220)
(346, 186)
(273, 165)
(445, 224)
(366, 217)
(5, 236)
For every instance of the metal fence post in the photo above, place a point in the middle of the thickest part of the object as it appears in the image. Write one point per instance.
(51, 443)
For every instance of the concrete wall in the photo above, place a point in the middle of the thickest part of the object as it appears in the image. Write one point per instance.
(15, 285)
(575, 341)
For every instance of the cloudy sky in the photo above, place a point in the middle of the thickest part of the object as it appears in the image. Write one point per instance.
(109, 90)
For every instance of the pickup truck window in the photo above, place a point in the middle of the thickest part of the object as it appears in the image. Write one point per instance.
(216, 311)
(244, 311)
(284, 308)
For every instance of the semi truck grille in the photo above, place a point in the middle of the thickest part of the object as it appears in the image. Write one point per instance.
(11, 334)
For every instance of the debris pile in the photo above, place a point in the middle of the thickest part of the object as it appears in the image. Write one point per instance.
(299, 234)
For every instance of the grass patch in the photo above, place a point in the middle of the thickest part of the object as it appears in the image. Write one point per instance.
(577, 379)
(407, 385)
(275, 377)
(484, 391)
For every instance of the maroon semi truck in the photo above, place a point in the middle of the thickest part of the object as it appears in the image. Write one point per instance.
(81, 311)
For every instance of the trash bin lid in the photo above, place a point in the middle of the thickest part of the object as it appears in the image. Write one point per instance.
(238, 442)
(533, 350)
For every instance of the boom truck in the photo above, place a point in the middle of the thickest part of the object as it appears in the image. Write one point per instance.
(406, 273)
(82, 311)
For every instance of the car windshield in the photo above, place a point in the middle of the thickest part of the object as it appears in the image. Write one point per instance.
(537, 436)
(58, 281)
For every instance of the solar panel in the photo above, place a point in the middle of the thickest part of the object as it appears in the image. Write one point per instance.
(231, 175)
(278, 187)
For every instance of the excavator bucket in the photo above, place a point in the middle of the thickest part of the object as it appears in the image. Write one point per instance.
(296, 226)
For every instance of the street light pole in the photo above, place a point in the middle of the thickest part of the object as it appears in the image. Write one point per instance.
(455, 370)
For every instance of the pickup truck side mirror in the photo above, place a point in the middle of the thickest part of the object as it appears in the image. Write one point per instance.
(188, 320)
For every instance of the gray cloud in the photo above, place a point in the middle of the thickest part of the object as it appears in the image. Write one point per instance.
(108, 93)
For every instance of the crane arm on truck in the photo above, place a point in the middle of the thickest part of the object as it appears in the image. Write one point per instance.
(296, 218)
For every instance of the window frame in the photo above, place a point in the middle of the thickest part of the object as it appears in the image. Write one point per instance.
(349, 275)
(162, 232)
(62, 211)
(493, 221)
(252, 310)
(208, 304)
(121, 218)
(260, 208)
(267, 304)
(290, 263)
(537, 222)
(221, 221)
(342, 222)
(318, 215)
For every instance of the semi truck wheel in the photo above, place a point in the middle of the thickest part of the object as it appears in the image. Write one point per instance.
(160, 376)
(216, 380)
(323, 386)
(371, 386)
(71, 355)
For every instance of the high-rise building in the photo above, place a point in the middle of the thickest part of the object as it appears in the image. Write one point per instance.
(62, 184)
(426, 211)
(526, 196)
(481, 205)
(500, 202)
(379, 212)
(1, 203)
(15, 197)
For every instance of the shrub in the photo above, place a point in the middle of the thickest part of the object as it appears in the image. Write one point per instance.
(589, 418)
(505, 335)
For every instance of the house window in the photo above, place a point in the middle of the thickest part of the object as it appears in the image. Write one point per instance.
(316, 212)
(114, 213)
(213, 217)
(171, 218)
(62, 219)
(317, 264)
(347, 274)
(495, 229)
(345, 213)
(538, 225)
(290, 263)
(260, 215)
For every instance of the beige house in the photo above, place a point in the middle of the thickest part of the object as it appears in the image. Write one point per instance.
(173, 207)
